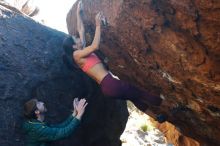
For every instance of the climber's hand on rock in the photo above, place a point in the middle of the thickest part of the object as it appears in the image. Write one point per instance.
(98, 19)
(79, 7)
(103, 19)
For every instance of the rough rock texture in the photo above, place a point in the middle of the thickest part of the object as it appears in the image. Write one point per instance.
(169, 47)
(173, 135)
(31, 65)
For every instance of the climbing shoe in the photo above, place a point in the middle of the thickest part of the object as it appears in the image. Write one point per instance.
(161, 118)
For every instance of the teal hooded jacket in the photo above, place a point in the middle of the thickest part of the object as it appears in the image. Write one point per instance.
(38, 133)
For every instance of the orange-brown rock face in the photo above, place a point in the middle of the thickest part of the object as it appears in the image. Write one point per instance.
(167, 47)
(173, 136)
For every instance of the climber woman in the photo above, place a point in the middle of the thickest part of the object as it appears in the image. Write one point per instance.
(85, 58)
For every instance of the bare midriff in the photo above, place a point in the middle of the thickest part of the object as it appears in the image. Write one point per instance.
(97, 72)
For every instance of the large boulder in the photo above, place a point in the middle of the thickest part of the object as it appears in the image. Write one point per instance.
(31, 66)
(166, 47)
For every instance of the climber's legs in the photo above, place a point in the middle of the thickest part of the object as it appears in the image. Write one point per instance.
(121, 90)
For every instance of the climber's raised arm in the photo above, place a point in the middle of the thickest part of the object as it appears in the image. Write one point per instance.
(96, 41)
(80, 25)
